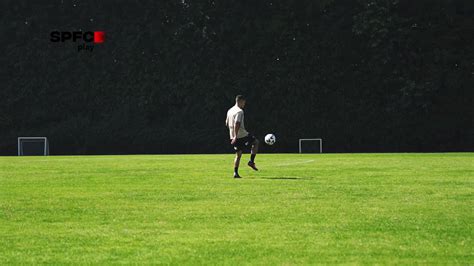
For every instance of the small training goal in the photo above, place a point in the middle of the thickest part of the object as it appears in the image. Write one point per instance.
(33, 146)
(311, 145)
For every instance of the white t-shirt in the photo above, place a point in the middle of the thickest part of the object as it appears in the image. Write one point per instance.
(236, 114)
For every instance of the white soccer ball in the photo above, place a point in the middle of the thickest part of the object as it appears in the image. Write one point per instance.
(270, 139)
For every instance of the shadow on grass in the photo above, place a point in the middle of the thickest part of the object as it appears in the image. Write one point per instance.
(284, 178)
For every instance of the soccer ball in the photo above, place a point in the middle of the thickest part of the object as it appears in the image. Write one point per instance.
(270, 139)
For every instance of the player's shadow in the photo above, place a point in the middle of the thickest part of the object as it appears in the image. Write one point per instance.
(284, 178)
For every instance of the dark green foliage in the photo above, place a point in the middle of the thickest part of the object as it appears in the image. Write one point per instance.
(363, 75)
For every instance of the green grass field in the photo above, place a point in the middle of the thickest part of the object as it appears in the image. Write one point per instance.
(299, 209)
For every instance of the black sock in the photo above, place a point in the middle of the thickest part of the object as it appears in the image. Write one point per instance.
(236, 170)
(252, 157)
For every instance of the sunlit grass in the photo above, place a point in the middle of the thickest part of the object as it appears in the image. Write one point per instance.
(298, 209)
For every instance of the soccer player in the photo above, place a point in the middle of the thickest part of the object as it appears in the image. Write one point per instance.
(239, 137)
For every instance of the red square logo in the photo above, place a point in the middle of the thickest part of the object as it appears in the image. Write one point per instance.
(99, 36)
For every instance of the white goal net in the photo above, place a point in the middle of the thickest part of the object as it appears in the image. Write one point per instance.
(31, 146)
(311, 145)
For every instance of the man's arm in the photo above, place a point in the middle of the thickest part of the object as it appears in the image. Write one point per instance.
(236, 131)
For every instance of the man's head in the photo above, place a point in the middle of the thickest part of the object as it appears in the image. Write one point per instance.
(240, 101)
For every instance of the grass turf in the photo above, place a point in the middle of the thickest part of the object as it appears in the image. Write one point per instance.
(299, 209)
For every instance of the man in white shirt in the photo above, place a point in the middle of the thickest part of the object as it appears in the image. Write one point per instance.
(239, 137)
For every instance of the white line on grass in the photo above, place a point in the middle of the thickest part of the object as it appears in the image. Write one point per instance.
(297, 162)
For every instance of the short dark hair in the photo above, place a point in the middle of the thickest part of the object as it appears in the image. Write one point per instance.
(239, 98)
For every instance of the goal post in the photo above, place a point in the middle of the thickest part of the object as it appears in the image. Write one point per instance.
(33, 146)
(319, 145)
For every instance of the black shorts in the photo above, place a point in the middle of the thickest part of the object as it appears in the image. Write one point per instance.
(245, 142)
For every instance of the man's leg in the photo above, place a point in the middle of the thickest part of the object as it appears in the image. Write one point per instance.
(253, 153)
(238, 155)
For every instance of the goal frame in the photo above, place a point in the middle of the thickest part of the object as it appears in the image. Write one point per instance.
(314, 139)
(44, 139)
